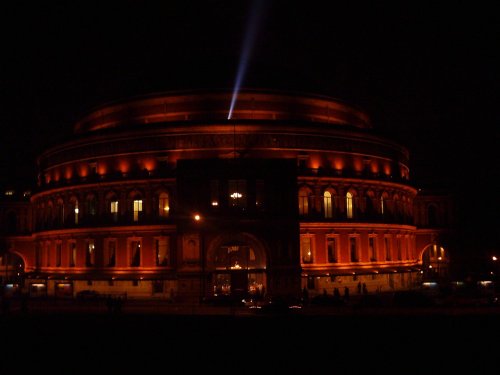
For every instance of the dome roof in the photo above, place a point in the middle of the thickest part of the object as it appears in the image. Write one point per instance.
(214, 106)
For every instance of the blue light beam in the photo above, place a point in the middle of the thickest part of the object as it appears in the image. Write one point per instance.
(251, 32)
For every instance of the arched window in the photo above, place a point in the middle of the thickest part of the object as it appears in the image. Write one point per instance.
(304, 195)
(162, 251)
(349, 205)
(369, 210)
(91, 205)
(135, 253)
(331, 246)
(49, 214)
(163, 205)
(398, 209)
(327, 205)
(73, 211)
(90, 253)
(306, 249)
(112, 206)
(113, 209)
(384, 207)
(60, 212)
(136, 207)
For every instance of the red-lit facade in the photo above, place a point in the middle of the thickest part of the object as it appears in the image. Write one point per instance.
(293, 192)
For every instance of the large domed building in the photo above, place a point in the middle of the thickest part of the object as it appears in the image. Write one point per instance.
(169, 196)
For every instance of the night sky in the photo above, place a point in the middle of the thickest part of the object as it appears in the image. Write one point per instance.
(427, 74)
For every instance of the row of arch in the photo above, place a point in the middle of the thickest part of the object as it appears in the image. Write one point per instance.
(352, 205)
(112, 206)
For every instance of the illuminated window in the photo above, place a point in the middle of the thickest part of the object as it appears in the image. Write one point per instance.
(90, 254)
(349, 204)
(382, 205)
(353, 249)
(303, 201)
(331, 245)
(306, 249)
(162, 252)
(113, 209)
(327, 205)
(76, 212)
(137, 209)
(163, 205)
(135, 253)
(237, 193)
(214, 193)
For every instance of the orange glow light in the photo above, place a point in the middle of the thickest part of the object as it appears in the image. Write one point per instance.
(123, 166)
(387, 169)
(315, 162)
(68, 173)
(149, 164)
(57, 175)
(83, 170)
(338, 163)
(102, 168)
(358, 164)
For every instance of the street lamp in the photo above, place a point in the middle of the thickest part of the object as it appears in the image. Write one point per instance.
(198, 219)
(494, 258)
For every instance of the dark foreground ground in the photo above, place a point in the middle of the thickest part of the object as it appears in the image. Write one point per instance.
(142, 340)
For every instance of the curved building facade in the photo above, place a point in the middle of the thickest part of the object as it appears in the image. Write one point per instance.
(164, 196)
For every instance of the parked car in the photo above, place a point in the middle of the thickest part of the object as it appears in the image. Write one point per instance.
(280, 305)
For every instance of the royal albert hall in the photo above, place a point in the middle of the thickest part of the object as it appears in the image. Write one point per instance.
(165, 196)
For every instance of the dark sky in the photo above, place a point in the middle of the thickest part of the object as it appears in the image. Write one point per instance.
(426, 73)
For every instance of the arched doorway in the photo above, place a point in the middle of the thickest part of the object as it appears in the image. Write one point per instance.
(237, 265)
(435, 262)
(11, 272)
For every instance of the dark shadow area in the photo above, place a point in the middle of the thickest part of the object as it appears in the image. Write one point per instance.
(230, 344)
